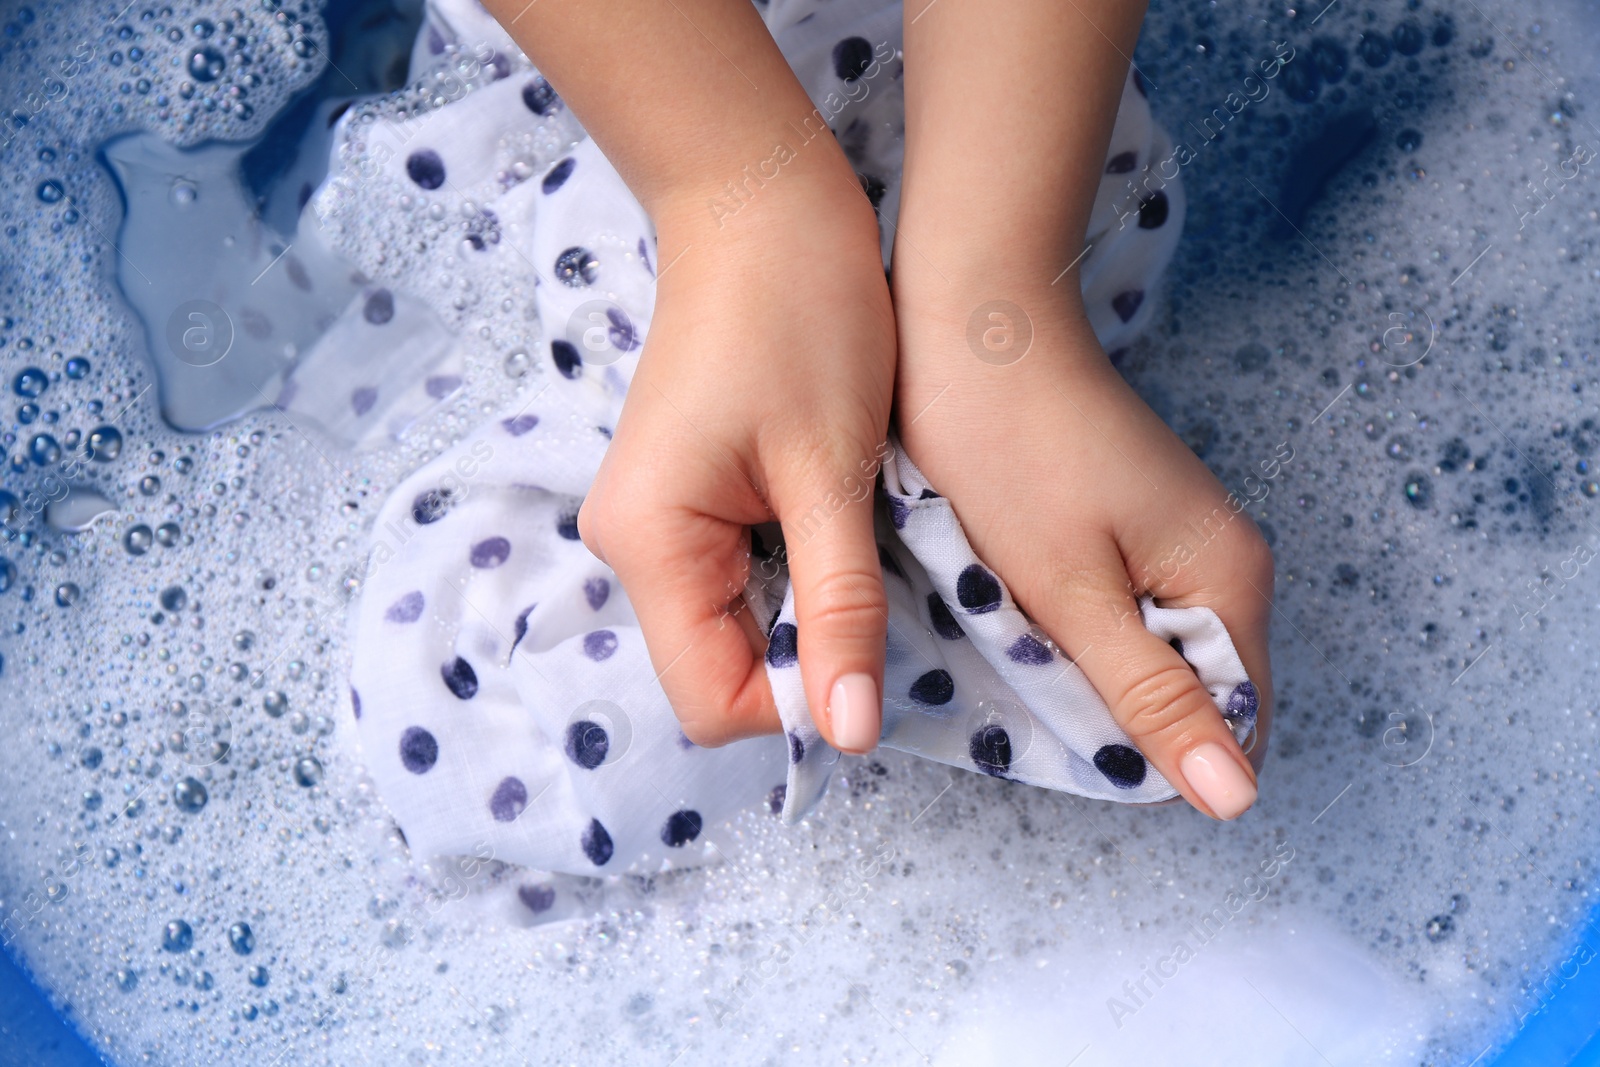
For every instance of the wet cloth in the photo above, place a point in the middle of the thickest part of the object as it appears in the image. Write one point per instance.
(501, 685)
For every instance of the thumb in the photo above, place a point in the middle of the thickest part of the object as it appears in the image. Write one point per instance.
(840, 608)
(1154, 695)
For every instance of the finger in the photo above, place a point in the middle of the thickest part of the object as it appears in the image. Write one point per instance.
(840, 607)
(1152, 692)
(684, 573)
(1232, 576)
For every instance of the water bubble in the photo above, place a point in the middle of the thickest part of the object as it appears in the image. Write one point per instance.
(308, 771)
(206, 64)
(167, 534)
(173, 598)
(190, 795)
(517, 363)
(137, 540)
(126, 979)
(244, 640)
(30, 382)
(242, 938)
(275, 703)
(177, 937)
(183, 464)
(8, 571)
(50, 191)
(105, 443)
(92, 800)
(91, 757)
(1439, 927)
(258, 976)
(1418, 489)
(149, 485)
(183, 193)
(67, 594)
(44, 450)
(77, 367)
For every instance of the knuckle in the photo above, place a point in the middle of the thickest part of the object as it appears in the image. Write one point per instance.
(845, 604)
(1161, 705)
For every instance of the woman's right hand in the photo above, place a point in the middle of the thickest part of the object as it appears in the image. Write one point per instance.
(762, 392)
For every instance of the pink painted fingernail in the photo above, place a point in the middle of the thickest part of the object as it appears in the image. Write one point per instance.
(856, 713)
(1213, 773)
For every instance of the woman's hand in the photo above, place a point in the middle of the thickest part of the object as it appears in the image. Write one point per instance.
(763, 392)
(1080, 498)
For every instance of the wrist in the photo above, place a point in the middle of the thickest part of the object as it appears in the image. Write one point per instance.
(811, 216)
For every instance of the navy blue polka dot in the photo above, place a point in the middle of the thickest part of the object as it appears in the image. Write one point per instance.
(460, 678)
(491, 552)
(566, 358)
(587, 744)
(600, 645)
(934, 688)
(927, 494)
(776, 797)
(567, 525)
(944, 623)
(379, 307)
(540, 98)
(1153, 211)
(1030, 650)
(898, 511)
(576, 267)
(440, 386)
(407, 609)
(851, 58)
(355, 702)
(597, 844)
(644, 254)
(1122, 163)
(510, 797)
(419, 750)
(1126, 304)
(890, 564)
(518, 425)
(978, 590)
(990, 749)
(426, 168)
(537, 898)
(1122, 765)
(622, 334)
(783, 646)
(596, 591)
(521, 629)
(1243, 702)
(558, 175)
(680, 828)
(797, 748)
(431, 505)
(1177, 646)
(362, 399)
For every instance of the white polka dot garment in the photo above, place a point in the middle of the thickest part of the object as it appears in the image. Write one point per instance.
(501, 686)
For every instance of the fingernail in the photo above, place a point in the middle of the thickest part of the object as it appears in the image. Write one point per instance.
(1213, 773)
(856, 713)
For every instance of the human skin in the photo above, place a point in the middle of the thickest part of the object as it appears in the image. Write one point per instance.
(1066, 483)
(766, 381)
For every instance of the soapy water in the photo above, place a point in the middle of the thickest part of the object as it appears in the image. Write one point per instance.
(1375, 332)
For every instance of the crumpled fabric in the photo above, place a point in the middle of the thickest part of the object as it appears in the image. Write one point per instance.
(501, 686)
